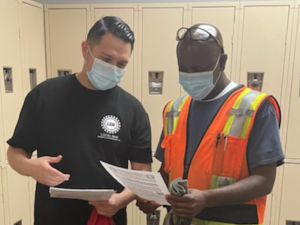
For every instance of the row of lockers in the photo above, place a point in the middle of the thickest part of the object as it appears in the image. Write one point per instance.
(258, 37)
(256, 40)
(23, 65)
(22, 59)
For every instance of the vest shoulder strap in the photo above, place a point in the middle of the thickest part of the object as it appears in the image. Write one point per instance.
(172, 113)
(241, 116)
(239, 119)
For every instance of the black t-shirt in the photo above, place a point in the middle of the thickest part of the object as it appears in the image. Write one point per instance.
(61, 117)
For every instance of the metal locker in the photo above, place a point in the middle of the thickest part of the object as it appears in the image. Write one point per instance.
(66, 28)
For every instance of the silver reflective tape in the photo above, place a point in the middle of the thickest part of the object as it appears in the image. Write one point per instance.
(241, 113)
(170, 125)
(173, 113)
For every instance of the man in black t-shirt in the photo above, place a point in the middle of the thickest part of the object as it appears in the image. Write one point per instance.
(74, 122)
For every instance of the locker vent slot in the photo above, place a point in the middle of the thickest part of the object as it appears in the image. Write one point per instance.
(290, 222)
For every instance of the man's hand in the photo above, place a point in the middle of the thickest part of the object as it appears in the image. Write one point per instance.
(188, 205)
(110, 207)
(44, 173)
(39, 168)
(145, 205)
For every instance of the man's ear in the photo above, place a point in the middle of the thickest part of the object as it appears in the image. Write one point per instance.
(222, 63)
(85, 49)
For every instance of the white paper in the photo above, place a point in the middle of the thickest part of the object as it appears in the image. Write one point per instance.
(147, 185)
(82, 194)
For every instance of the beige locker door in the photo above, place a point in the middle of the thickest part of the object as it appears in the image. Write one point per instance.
(290, 204)
(2, 215)
(263, 49)
(10, 68)
(292, 145)
(66, 28)
(2, 141)
(32, 184)
(2, 18)
(127, 14)
(263, 45)
(18, 197)
(158, 27)
(33, 44)
(225, 22)
(290, 201)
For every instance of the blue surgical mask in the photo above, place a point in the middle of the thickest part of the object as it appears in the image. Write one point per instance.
(198, 85)
(104, 76)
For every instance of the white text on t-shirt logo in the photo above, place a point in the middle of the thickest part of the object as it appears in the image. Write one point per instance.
(111, 125)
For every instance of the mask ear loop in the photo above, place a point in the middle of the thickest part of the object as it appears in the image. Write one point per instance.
(86, 69)
(215, 69)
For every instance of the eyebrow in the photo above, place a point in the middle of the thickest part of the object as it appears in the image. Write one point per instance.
(109, 56)
(105, 54)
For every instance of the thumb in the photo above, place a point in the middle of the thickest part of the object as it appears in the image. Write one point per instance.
(139, 199)
(56, 159)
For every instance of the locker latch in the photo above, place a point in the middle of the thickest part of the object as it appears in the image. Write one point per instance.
(255, 80)
(155, 82)
(32, 78)
(8, 79)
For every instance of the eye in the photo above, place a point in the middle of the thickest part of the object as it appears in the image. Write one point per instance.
(105, 59)
(121, 65)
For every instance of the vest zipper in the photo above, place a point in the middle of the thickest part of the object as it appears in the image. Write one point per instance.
(185, 171)
(187, 164)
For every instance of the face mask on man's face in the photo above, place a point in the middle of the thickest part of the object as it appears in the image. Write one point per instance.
(198, 85)
(104, 76)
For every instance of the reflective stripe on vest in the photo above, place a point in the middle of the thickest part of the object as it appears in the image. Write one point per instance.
(240, 117)
(238, 121)
(172, 115)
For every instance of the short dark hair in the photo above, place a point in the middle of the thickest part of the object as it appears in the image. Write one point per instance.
(113, 25)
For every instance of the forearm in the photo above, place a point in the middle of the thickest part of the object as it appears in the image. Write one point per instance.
(127, 196)
(254, 186)
(242, 191)
(19, 160)
(164, 175)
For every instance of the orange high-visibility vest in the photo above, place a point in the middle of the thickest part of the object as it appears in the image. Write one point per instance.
(220, 158)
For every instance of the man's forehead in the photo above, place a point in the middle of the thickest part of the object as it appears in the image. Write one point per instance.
(189, 46)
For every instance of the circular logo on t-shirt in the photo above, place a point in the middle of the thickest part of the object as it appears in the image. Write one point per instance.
(111, 124)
